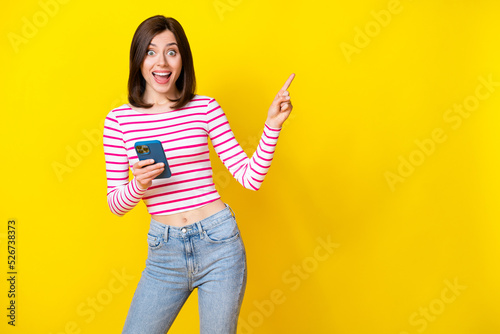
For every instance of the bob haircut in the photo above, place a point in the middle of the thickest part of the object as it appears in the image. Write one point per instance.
(186, 83)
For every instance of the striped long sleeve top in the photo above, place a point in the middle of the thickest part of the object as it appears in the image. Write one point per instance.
(184, 136)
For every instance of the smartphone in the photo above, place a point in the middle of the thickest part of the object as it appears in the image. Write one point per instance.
(153, 149)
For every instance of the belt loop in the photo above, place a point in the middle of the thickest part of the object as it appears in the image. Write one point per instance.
(165, 234)
(232, 212)
(200, 229)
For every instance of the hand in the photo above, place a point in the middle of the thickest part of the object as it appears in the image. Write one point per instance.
(281, 107)
(145, 174)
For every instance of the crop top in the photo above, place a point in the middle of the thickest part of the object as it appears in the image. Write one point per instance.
(184, 134)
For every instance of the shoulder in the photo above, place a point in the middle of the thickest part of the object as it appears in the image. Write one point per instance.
(210, 104)
(123, 109)
(202, 100)
(113, 117)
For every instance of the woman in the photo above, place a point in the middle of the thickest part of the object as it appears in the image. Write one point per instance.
(193, 239)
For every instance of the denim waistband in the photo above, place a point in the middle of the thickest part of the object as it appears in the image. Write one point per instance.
(192, 229)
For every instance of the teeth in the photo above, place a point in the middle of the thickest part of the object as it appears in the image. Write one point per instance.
(161, 74)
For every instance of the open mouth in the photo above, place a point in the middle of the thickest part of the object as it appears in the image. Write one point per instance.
(162, 77)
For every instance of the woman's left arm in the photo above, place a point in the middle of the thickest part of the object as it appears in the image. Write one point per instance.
(249, 172)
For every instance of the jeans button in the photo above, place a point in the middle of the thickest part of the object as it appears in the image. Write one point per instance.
(183, 230)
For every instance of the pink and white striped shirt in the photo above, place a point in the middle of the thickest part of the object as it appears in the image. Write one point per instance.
(184, 135)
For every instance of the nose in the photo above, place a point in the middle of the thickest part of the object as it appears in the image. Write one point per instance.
(162, 59)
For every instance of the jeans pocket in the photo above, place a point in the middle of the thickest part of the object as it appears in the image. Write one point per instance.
(225, 232)
(154, 241)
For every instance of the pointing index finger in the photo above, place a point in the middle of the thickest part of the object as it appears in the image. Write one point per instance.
(288, 82)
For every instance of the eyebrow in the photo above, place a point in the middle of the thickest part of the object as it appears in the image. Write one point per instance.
(169, 44)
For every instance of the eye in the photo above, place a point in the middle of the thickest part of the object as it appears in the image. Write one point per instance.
(171, 53)
(150, 53)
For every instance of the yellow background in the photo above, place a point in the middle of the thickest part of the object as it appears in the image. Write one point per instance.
(398, 247)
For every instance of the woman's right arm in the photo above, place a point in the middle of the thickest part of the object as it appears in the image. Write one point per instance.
(123, 195)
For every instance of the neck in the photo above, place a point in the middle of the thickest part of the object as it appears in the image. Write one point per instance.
(161, 100)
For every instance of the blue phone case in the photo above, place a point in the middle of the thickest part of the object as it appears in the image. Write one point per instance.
(153, 149)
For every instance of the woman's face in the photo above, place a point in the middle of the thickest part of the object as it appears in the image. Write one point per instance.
(161, 68)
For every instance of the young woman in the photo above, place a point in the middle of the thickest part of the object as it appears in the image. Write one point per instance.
(193, 239)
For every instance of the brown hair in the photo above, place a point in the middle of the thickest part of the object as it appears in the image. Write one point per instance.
(186, 83)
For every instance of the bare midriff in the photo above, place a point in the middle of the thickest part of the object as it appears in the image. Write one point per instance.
(191, 216)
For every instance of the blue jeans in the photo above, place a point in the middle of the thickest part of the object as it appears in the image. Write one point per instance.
(208, 255)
